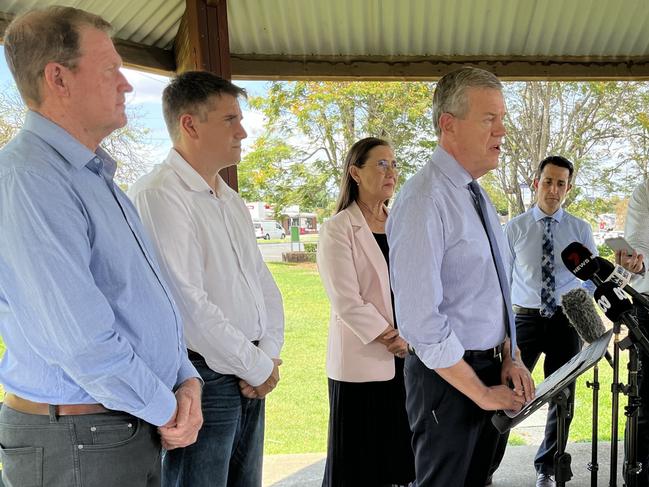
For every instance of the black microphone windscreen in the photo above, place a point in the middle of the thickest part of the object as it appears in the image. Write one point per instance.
(579, 260)
(580, 310)
(612, 300)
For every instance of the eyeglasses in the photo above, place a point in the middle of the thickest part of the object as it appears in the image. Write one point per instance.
(384, 164)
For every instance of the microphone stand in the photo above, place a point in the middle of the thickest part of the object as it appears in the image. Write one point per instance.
(631, 466)
(562, 459)
(615, 400)
(634, 338)
(593, 466)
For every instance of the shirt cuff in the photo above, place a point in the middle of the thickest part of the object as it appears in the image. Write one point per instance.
(161, 407)
(258, 374)
(187, 371)
(270, 347)
(441, 355)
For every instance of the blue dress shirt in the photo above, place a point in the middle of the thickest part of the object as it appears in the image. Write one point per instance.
(446, 289)
(84, 313)
(525, 238)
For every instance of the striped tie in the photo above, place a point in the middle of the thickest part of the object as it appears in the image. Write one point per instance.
(548, 302)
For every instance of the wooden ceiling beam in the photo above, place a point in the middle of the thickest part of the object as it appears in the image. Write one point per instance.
(431, 68)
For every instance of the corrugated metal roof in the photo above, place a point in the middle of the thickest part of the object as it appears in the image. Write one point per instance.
(393, 27)
(440, 27)
(414, 39)
(149, 22)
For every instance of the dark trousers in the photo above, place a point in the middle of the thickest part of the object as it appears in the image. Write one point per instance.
(558, 340)
(230, 444)
(453, 438)
(94, 450)
(643, 417)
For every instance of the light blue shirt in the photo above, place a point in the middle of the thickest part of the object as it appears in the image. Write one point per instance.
(84, 313)
(446, 289)
(525, 237)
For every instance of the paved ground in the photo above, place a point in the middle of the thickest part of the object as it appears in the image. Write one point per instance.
(517, 469)
(272, 252)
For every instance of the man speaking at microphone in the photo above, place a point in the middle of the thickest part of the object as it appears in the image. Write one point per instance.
(539, 279)
(451, 289)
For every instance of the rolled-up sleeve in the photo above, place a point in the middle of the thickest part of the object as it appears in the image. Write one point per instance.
(416, 238)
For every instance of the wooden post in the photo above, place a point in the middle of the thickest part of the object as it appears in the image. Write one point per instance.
(203, 44)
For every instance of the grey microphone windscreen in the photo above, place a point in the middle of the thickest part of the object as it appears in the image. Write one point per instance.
(579, 308)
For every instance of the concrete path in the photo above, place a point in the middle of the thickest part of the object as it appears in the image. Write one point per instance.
(516, 470)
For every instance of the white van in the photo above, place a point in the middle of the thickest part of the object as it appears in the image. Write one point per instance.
(268, 229)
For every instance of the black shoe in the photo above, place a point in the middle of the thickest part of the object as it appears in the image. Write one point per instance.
(544, 480)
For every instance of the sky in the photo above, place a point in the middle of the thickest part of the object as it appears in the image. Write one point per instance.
(146, 98)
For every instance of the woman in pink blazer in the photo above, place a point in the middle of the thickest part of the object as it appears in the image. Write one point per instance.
(369, 437)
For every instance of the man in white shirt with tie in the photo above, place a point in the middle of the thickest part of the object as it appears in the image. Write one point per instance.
(234, 319)
(539, 279)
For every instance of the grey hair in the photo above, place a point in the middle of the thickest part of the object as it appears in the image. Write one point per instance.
(451, 91)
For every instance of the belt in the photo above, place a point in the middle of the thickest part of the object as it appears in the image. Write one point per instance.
(197, 356)
(41, 408)
(520, 310)
(489, 353)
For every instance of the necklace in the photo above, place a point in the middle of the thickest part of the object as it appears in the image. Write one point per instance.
(363, 206)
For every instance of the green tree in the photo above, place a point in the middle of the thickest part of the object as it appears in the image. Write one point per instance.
(580, 121)
(311, 125)
(129, 146)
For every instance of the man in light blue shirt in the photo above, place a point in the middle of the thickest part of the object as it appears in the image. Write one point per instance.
(451, 289)
(94, 347)
(539, 281)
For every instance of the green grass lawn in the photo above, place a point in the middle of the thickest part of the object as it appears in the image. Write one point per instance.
(580, 429)
(297, 411)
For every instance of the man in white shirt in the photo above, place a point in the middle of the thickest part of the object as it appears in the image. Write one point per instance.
(234, 319)
(636, 231)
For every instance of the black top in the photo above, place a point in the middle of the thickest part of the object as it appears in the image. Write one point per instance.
(382, 240)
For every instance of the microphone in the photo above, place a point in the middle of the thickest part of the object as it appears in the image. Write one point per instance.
(581, 262)
(620, 277)
(617, 308)
(579, 308)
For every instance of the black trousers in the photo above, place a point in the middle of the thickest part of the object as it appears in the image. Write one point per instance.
(643, 417)
(559, 341)
(453, 438)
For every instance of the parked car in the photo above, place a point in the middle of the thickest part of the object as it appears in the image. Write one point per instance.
(268, 229)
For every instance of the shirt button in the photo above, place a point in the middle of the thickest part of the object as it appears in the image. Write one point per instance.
(80, 447)
(93, 428)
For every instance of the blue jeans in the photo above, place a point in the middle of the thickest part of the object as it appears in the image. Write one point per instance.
(229, 449)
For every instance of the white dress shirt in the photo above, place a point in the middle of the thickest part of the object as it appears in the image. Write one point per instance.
(525, 238)
(636, 231)
(207, 248)
(446, 289)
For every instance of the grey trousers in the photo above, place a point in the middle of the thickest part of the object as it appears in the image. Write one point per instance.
(113, 449)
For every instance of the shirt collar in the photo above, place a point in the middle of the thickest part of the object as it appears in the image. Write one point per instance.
(73, 151)
(538, 214)
(192, 179)
(452, 169)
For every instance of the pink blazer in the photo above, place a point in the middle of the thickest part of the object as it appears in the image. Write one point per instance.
(355, 277)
